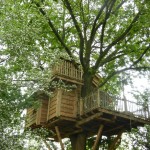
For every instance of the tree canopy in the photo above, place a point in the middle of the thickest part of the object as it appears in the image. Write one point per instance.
(104, 36)
(108, 37)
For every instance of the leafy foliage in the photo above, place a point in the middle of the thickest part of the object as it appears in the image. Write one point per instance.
(108, 37)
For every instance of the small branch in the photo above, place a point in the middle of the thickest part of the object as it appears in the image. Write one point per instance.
(122, 70)
(119, 6)
(109, 59)
(68, 6)
(63, 27)
(3, 60)
(47, 145)
(121, 37)
(94, 28)
(108, 11)
(140, 58)
(118, 39)
(51, 25)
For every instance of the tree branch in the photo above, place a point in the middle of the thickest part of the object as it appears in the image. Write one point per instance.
(51, 25)
(140, 58)
(68, 6)
(121, 37)
(109, 59)
(94, 27)
(128, 68)
(123, 70)
(118, 7)
(108, 11)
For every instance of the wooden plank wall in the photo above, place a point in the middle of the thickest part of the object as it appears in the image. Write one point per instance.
(31, 117)
(44, 110)
(37, 116)
(63, 103)
(69, 104)
(52, 106)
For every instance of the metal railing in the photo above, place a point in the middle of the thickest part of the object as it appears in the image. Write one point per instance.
(100, 99)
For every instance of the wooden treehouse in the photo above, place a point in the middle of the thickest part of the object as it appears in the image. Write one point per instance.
(65, 113)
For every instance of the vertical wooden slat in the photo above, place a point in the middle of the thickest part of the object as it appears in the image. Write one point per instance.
(98, 98)
(81, 107)
(58, 102)
(65, 68)
(148, 111)
(75, 104)
(38, 116)
(125, 104)
(48, 111)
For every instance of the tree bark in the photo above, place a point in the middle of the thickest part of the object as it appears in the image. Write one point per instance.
(87, 84)
(78, 141)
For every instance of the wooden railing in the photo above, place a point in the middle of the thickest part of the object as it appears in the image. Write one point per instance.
(67, 69)
(100, 99)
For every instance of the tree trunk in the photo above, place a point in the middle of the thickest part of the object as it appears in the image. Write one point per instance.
(78, 141)
(87, 84)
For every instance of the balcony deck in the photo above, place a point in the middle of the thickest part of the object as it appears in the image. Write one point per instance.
(116, 114)
(99, 108)
(101, 100)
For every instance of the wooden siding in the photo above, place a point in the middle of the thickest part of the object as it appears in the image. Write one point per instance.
(52, 106)
(37, 116)
(31, 117)
(44, 110)
(69, 104)
(63, 103)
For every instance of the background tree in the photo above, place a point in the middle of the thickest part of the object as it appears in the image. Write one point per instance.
(106, 36)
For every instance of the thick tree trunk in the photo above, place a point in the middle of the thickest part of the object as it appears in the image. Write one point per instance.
(78, 141)
(87, 86)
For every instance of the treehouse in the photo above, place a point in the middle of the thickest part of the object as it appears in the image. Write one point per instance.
(65, 113)
(37, 116)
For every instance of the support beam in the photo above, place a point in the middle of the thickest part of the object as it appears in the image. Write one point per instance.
(47, 145)
(59, 137)
(98, 137)
(114, 143)
(84, 121)
(114, 129)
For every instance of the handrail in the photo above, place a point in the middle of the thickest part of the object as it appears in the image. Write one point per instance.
(100, 99)
(66, 68)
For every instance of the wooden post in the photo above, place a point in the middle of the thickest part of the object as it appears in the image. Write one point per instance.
(47, 145)
(148, 111)
(125, 104)
(59, 137)
(113, 144)
(58, 102)
(38, 115)
(98, 137)
(48, 113)
(98, 98)
(81, 106)
(75, 104)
